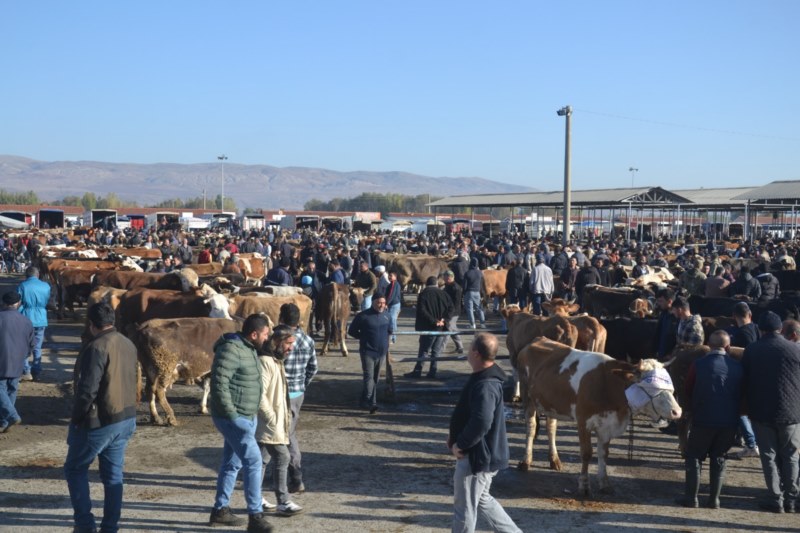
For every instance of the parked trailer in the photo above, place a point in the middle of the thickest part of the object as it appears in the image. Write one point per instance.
(101, 218)
(51, 218)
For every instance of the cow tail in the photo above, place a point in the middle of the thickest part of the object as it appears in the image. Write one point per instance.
(138, 382)
(336, 325)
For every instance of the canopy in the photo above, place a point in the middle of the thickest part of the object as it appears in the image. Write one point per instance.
(10, 223)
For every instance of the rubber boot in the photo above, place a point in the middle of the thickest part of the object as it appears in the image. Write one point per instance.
(689, 499)
(717, 477)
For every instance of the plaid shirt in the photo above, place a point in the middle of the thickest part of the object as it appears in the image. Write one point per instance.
(301, 363)
(690, 330)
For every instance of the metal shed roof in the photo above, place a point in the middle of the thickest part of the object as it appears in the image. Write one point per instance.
(593, 197)
(777, 190)
(715, 197)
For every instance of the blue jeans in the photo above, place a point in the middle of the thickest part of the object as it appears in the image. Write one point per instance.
(537, 299)
(394, 312)
(778, 445)
(36, 368)
(8, 397)
(746, 428)
(471, 496)
(472, 302)
(108, 443)
(366, 303)
(240, 451)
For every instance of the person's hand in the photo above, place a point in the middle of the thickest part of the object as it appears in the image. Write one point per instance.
(440, 322)
(457, 452)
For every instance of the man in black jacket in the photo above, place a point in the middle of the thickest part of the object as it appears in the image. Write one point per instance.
(772, 387)
(478, 440)
(454, 291)
(372, 328)
(433, 309)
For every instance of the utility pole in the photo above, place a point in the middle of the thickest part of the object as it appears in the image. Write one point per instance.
(633, 172)
(222, 158)
(566, 112)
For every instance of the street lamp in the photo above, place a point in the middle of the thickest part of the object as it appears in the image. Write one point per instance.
(633, 172)
(566, 112)
(222, 158)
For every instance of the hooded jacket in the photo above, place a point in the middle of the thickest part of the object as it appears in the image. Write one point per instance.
(473, 277)
(274, 415)
(478, 424)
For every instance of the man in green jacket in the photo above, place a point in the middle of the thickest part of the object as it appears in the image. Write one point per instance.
(234, 399)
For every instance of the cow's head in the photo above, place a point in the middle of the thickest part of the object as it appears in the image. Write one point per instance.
(652, 393)
(189, 279)
(560, 307)
(356, 297)
(641, 308)
(130, 264)
(510, 310)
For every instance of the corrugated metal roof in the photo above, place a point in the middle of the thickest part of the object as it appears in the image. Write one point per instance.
(554, 198)
(708, 197)
(777, 190)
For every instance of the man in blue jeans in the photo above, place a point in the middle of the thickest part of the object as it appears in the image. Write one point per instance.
(233, 402)
(16, 340)
(103, 419)
(35, 295)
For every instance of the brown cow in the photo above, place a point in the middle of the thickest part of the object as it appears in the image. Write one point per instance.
(178, 350)
(591, 333)
(252, 267)
(494, 285)
(590, 388)
(140, 305)
(333, 310)
(524, 327)
(206, 269)
(413, 270)
(179, 280)
(244, 306)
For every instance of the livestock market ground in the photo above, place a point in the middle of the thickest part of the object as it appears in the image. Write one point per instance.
(385, 472)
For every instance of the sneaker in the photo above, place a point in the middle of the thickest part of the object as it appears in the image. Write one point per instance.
(257, 523)
(289, 509)
(26, 377)
(373, 409)
(224, 517)
(12, 423)
(772, 507)
(747, 452)
(268, 506)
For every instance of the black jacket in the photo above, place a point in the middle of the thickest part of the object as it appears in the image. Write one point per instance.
(453, 290)
(478, 424)
(772, 380)
(473, 278)
(432, 305)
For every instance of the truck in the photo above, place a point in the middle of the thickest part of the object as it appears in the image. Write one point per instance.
(101, 218)
(51, 218)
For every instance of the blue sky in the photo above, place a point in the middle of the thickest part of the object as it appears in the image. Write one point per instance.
(691, 93)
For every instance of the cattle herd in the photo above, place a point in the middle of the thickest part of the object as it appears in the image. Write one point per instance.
(596, 340)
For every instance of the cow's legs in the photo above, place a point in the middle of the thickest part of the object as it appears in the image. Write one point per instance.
(555, 461)
(328, 333)
(341, 337)
(602, 458)
(531, 423)
(585, 439)
(517, 393)
(206, 392)
(150, 394)
(161, 394)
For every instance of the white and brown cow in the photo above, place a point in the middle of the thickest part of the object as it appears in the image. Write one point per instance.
(333, 310)
(597, 392)
(178, 350)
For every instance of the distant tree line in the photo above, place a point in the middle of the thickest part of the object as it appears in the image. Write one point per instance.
(21, 198)
(383, 203)
(90, 200)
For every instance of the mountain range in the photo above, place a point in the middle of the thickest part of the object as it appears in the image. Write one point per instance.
(257, 186)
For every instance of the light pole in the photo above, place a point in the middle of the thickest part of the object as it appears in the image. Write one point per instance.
(566, 112)
(222, 158)
(633, 172)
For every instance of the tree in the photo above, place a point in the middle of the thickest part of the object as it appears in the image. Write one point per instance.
(89, 201)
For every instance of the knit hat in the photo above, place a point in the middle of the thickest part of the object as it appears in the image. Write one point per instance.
(769, 321)
(380, 269)
(449, 274)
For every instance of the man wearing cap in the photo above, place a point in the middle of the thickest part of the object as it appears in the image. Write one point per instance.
(693, 280)
(454, 291)
(434, 307)
(17, 340)
(35, 295)
(745, 286)
(365, 280)
(772, 389)
(382, 279)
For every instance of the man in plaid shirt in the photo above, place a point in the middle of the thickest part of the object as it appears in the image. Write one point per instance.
(301, 366)
(690, 327)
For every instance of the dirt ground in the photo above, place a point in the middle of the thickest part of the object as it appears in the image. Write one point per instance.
(388, 472)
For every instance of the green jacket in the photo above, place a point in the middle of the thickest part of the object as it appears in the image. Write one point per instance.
(235, 378)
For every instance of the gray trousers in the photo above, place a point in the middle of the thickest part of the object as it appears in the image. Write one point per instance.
(778, 445)
(279, 455)
(471, 496)
(296, 458)
(452, 325)
(371, 367)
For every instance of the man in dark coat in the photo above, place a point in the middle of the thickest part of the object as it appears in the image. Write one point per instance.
(772, 388)
(434, 307)
(454, 291)
(16, 342)
(478, 441)
(714, 390)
